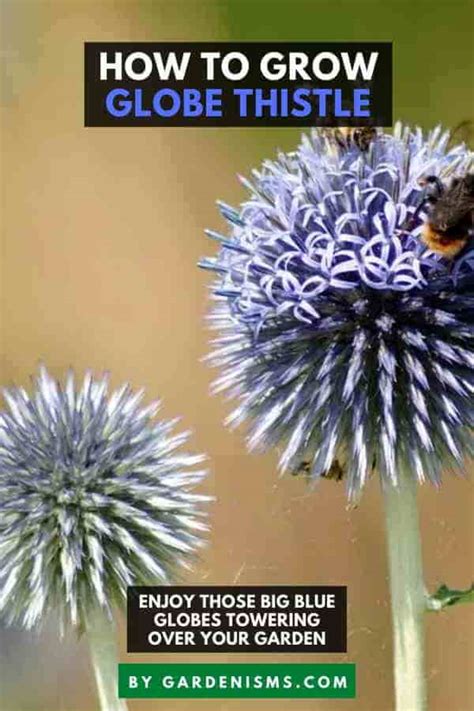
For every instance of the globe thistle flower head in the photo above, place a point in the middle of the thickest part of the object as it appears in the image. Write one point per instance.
(94, 496)
(342, 336)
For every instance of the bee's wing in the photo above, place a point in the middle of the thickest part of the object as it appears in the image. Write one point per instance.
(463, 132)
(454, 206)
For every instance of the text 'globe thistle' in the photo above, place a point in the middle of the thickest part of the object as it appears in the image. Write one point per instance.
(94, 496)
(341, 334)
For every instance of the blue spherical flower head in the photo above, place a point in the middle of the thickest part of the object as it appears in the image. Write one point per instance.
(340, 333)
(95, 496)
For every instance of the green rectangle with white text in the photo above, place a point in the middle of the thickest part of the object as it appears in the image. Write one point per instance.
(206, 681)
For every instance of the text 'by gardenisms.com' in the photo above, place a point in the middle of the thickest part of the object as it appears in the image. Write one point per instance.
(236, 619)
(244, 84)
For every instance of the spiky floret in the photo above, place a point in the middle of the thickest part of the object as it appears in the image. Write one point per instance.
(94, 496)
(341, 334)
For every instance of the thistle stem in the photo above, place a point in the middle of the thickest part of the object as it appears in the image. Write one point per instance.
(407, 593)
(104, 657)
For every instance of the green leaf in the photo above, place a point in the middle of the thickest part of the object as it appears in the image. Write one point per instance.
(445, 597)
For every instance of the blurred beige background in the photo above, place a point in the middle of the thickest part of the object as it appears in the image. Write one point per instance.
(102, 230)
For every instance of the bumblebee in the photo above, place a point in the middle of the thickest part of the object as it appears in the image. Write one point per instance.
(450, 222)
(345, 137)
(335, 471)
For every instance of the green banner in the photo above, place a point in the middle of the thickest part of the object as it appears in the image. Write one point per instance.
(199, 681)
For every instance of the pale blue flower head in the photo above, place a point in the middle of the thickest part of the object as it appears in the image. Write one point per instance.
(341, 335)
(95, 495)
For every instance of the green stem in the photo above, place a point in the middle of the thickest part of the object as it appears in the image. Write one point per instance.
(104, 657)
(407, 592)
